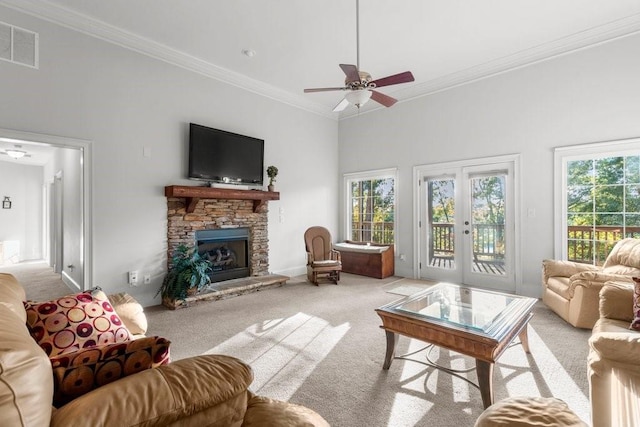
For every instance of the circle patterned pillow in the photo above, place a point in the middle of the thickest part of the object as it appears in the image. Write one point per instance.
(73, 322)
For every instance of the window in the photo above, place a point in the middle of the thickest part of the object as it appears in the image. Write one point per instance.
(600, 189)
(371, 206)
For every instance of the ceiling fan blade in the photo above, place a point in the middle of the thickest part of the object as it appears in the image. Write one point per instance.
(341, 105)
(383, 99)
(405, 77)
(351, 72)
(323, 89)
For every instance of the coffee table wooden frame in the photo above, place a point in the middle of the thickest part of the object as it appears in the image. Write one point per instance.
(486, 350)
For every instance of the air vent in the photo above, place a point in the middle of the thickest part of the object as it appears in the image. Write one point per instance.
(18, 45)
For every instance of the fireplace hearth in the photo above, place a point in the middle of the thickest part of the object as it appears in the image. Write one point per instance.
(227, 249)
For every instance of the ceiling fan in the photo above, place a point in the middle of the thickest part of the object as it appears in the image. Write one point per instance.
(16, 152)
(360, 84)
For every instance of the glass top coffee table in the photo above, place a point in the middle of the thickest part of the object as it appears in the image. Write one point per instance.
(475, 322)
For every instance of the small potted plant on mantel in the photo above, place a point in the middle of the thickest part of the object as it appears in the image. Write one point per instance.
(272, 172)
(188, 274)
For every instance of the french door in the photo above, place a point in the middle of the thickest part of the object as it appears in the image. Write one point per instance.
(466, 228)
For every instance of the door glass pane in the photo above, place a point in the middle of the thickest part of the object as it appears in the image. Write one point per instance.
(441, 205)
(488, 224)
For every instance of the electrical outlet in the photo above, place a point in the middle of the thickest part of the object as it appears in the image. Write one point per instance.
(133, 278)
(147, 279)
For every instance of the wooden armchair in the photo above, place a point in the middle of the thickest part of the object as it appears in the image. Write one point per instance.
(322, 259)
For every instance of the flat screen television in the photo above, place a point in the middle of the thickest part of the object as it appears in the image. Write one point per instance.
(219, 156)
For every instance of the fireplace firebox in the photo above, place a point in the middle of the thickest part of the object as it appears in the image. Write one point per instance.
(228, 251)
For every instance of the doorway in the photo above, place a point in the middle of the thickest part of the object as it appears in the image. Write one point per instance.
(466, 231)
(76, 224)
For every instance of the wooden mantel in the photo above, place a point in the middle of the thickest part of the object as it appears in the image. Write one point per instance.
(193, 194)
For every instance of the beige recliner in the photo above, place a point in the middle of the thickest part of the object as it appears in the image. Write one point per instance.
(571, 289)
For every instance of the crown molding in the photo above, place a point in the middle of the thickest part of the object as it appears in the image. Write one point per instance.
(583, 40)
(62, 16)
(82, 23)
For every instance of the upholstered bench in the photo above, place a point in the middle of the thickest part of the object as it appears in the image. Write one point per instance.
(529, 412)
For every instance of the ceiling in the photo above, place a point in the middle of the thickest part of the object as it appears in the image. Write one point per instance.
(38, 154)
(299, 43)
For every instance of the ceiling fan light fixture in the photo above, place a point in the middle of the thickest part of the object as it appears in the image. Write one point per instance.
(15, 154)
(358, 97)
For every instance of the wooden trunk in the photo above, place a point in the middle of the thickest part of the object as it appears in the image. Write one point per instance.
(372, 264)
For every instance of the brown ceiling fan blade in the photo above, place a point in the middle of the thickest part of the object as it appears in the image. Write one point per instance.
(383, 99)
(323, 89)
(341, 105)
(351, 71)
(405, 77)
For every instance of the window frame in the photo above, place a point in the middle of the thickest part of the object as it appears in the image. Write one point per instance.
(349, 178)
(562, 155)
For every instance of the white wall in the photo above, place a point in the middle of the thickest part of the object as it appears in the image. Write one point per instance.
(588, 96)
(123, 101)
(23, 222)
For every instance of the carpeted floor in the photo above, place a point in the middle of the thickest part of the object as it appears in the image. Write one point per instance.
(322, 347)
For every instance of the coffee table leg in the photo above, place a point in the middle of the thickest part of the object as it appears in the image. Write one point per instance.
(391, 349)
(484, 370)
(524, 339)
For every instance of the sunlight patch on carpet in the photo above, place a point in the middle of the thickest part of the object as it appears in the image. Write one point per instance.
(283, 352)
(407, 287)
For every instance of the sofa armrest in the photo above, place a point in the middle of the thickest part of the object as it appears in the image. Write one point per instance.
(557, 268)
(617, 348)
(163, 395)
(616, 301)
(335, 255)
(590, 279)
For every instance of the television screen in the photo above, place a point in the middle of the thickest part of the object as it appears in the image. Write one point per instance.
(224, 157)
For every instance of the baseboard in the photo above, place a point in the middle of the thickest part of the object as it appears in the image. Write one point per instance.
(72, 284)
(292, 272)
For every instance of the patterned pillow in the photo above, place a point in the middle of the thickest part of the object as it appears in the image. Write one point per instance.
(81, 371)
(635, 324)
(73, 322)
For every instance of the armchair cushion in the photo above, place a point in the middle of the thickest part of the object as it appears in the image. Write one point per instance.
(81, 371)
(67, 324)
(616, 301)
(211, 389)
(130, 311)
(616, 347)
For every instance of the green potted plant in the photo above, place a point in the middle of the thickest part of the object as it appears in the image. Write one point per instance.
(189, 273)
(272, 172)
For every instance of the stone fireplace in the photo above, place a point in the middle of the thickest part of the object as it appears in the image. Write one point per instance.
(212, 216)
(230, 227)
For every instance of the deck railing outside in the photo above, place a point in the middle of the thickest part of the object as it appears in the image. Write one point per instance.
(585, 244)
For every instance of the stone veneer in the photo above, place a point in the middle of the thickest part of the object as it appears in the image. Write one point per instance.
(220, 213)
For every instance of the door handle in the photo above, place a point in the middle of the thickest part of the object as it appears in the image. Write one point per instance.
(466, 231)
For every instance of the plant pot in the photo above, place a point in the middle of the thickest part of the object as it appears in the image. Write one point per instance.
(270, 187)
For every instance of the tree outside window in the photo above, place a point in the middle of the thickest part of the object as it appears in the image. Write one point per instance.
(603, 205)
(371, 209)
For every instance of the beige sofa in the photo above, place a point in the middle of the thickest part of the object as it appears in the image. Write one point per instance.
(614, 360)
(208, 390)
(571, 289)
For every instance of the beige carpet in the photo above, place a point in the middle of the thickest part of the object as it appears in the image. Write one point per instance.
(321, 346)
(38, 280)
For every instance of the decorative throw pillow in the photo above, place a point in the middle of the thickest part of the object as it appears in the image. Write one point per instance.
(73, 322)
(635, 324)
(81, 371)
